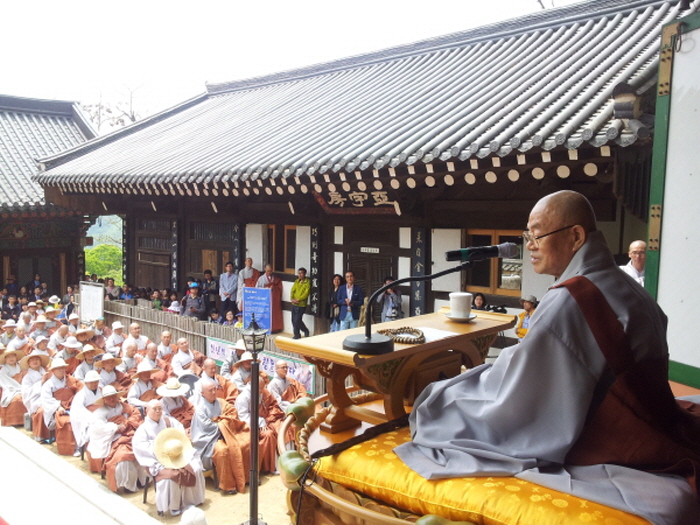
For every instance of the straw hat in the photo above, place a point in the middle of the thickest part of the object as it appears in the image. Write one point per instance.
(109, 391)
(528, 298)
(172, 388)
(245, 357)
(10, 323)
(24, 362)
(173, 448)
(91, 376)
(40, 339)
(49, 309)
(72, 342)
(31, 304)
(116, 325)
(145, 366)
(54, 299)
(240, 345)
(18, 353)
(73, 316)
(86, 349)
(82, 331)
(57, 362)
(108, 357)
(40, 319)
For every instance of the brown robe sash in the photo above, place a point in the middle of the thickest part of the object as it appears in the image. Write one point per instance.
(636, 422)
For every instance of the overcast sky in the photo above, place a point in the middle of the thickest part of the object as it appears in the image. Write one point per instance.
(164, 52)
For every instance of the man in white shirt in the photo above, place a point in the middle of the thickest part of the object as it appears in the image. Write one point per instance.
(638, 258)
(228, 289)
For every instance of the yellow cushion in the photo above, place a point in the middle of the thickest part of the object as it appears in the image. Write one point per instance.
(373, 469)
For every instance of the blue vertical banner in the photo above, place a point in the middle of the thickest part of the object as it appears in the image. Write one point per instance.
(315, 271)
(419, 260)
(257, 301)
(236, 247)
(173, 255)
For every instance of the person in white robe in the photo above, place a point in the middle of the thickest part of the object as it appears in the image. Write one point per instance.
(135, 336)
(104, 431)
(170, 496)
(20, 341)
(183, 362)
(143, 390)
(114, 342)
(164, 348)
(130, 359)
(9, 368)
(8, 332)
(228, 366)
(35, 364)
(58, 338)
(87, 361)
(82, 408)
(524, 412)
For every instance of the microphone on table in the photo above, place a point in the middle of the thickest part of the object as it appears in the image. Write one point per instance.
(479, 253)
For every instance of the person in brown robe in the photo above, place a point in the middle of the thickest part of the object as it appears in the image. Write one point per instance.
(12, 407)
(57, 394)
(175, 404)
(270, 418)
(274, 283)
(111, 433)
(248, 276)
(162, 371)
(225, 389)
(222, 440)
(102, 332)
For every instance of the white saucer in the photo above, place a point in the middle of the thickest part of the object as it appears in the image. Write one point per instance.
(471, 317)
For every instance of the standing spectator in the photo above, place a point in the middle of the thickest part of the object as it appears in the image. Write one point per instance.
(638, 258)
(157, 301)
(11, 285)
(248, 276)
(210, 290)
(350, 299)
(34, 283)
(228, 288)
(529, 304)
(127, 292)
(299, 296)
(11, 308)
(391, 303)
(194, 303)
(271, 281)
(332, 306)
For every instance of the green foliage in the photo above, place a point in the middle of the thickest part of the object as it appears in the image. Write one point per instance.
(106, 261)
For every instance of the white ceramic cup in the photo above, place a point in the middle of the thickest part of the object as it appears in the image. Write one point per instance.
(460, 304)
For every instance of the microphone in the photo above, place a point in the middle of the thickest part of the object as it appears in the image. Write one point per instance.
(479, 253)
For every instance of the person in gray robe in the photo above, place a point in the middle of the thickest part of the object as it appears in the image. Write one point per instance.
(523, 413)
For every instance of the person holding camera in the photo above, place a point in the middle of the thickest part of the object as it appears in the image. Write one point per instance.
(391, 302)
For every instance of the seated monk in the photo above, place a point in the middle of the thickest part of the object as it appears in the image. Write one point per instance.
(130, 359)
(84, 335)
(8, 333)
(270, 418)
(51, 324)
(87, 357)
(166, 350)
(35, 365)
(109, 375)
(21, 341)
(135, 336)
(114, 342)
(225, 389)
(111, 431)
(57, 394)
(81, 412)
(42, 345)
(163, 370)
(102, 332)
(242, 370)
(186, 361)
(222, 440)
(175, 404)
(161, 446)
(283, 388)
(12, 408)
(57, 339)
(237, 350)
(38, 327)
(582, 404)
(71, 347)
(144, 388)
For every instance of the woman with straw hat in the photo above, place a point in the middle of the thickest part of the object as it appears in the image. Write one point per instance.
(161, 446)
(12, 408)
(175, 404)
(35, 365)
(111, 432)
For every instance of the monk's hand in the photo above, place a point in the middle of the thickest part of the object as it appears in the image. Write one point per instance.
(60, 411)
(122, 428)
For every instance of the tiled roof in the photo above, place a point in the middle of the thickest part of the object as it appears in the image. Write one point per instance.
(537, 82)
(29, 130)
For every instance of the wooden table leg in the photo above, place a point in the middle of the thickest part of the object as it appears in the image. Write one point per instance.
(336, 374)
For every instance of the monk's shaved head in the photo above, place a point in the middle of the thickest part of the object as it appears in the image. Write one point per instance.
(568, 208)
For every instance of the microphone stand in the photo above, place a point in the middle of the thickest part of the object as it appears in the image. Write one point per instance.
(374, 344)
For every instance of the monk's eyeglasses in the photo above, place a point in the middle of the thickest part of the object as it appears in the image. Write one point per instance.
(529, 238)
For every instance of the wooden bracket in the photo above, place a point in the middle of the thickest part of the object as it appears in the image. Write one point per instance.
(654, 227)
